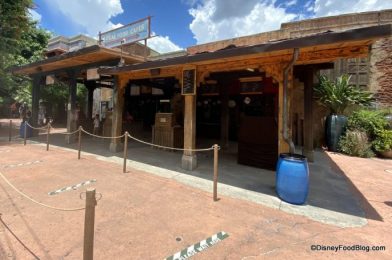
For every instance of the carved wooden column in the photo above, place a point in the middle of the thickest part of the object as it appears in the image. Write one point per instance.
(118, 106)
(224, 98)
(308, 113)
(189, 159)
(276, 72)
(36, 92)
(90, 85)
(71, 107)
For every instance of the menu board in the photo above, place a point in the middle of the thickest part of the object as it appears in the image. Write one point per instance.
(189, 82)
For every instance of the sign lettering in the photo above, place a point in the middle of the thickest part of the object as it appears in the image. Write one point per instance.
(128, 34)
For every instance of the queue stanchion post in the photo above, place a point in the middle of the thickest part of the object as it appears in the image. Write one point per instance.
(80, 142)
(47, 137)
(89, 219)
(125, 151)
(215, 188)
(25, 132)
(10, 132)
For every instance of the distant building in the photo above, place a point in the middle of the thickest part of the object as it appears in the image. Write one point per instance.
(60, 44)
(102, 96)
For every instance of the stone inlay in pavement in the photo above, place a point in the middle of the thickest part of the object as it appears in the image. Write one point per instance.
(73, 187)
(21, 164)
(388, 170)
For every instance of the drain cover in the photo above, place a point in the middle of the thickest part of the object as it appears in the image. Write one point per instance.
(178, 239)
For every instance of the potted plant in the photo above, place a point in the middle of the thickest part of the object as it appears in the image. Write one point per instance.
(383, 143)
(337, 96)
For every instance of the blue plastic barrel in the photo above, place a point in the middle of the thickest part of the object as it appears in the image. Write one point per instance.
(292, 178)
(29, 130)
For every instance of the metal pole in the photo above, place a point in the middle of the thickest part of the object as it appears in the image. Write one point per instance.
(125, 152)
(47, 138)
(25, 132)
(216, 172)
(89, 218)
(10, 132)
(80, 142)
(145, 49)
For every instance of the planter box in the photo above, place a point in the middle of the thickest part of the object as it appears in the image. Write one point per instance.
(386, 154)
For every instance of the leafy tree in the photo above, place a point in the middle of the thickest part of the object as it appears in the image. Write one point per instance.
(21, 42)
(14, 21)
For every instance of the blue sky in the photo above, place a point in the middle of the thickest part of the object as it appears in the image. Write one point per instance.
(182, 23)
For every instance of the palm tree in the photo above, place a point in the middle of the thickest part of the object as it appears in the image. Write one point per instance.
(337, 96)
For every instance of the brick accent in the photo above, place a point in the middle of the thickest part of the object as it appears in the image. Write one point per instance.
(380, 81)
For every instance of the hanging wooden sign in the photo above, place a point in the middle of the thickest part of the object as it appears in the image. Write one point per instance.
(50, 79)
(92, 74)
(188, 82)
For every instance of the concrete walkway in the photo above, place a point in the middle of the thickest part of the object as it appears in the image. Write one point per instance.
(144, 216)
(331, 200)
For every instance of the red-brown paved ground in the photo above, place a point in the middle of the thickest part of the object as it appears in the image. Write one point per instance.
(140, 215)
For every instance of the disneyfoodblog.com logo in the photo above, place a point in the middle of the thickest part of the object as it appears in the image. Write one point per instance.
(347, 248)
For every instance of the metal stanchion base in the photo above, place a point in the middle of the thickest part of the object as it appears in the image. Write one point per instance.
(189, 162)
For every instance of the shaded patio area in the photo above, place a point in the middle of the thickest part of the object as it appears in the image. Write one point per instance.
(332, 198)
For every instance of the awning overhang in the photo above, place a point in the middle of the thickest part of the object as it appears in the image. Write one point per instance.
(338, 41)
(83, 57)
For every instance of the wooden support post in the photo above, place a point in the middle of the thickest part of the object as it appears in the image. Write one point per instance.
(25, 132)
(91, 86)
(224, 115)
(10, 132)
(80, 142)
(47, 138)
(89, 219)
(35, 94)
(125, 152)
(189, 158)
(216, 148)
(118, 105)
(308, 114)
(71, 106)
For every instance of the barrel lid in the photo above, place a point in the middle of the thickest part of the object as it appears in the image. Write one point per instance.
(292, 157)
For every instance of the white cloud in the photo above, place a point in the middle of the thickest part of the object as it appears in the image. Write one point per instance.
(162, 44)
(115, 26)
(35, 15)
(291, 3)
(221, 19)
(336, 7)
(92, 15)
(95, 15)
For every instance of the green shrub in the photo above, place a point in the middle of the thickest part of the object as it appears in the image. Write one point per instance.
(356, 143)
(369, 121)
(383, 141)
